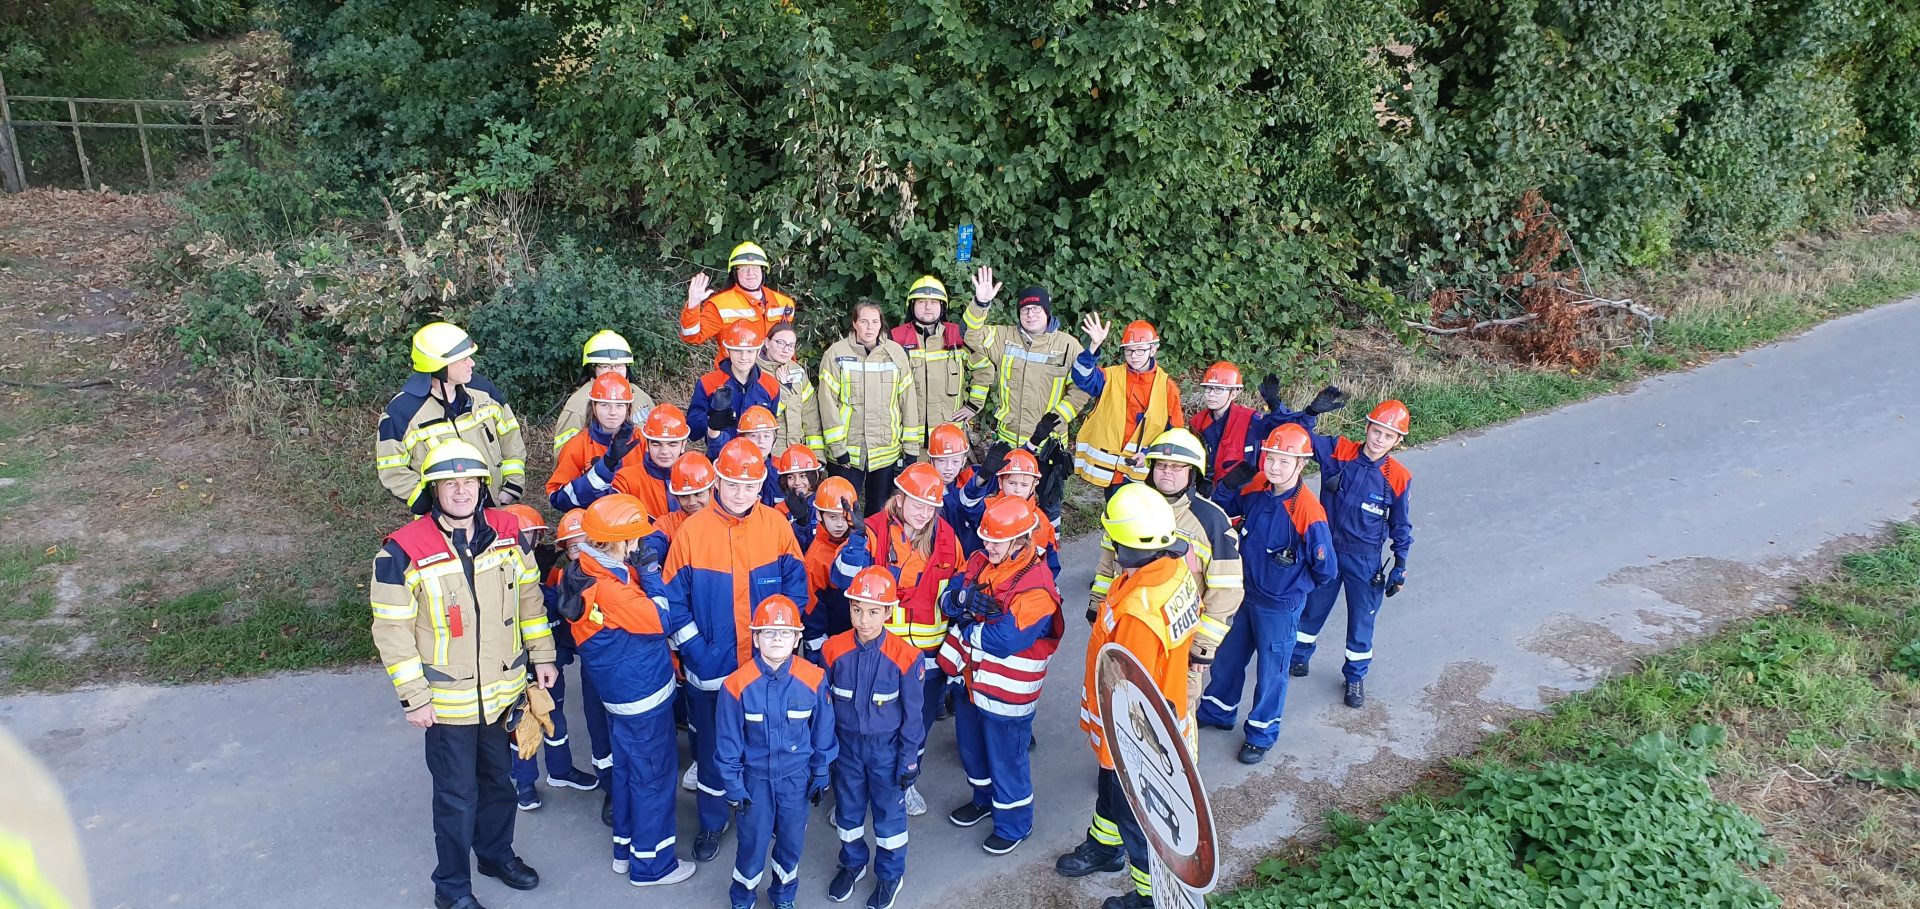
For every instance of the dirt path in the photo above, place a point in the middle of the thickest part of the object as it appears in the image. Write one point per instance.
(122, 486)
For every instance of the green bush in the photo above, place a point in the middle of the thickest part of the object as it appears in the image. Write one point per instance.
(531, 332)
(1635, 827)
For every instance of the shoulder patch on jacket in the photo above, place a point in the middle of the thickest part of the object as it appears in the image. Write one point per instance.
(1397, 475)
(837, 646)
(1345, 449)
(808, 674)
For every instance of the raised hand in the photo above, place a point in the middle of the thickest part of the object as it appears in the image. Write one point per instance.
(985, 288)
(1096, 330)
(698, 290)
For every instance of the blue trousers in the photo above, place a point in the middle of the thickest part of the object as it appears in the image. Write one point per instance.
(1262, 629)
(646, 762)
(559, 753)
(933, 693)
(776, 812)
(1363, 608)
(473, 804)
(866, 776)
(712, 797)
(993, 752)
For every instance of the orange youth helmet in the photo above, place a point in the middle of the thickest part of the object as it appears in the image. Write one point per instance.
(742, 336)
(1391, 415)
(1222, 375)
(874, 584)
(757, 419)
(529, 516)
(616, 517)
(777, 613)
(836, 494)
(1021, 461)
(691, 474)
(1290, 440)
(666, 423)
(1008, 519)
(796, 459)
(1139, 333)
(922, 483)
(570, 527)
(947, 439)
(742, 462)
(611, 388)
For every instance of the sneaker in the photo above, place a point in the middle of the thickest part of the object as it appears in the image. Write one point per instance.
(706, 845)
(786, 905)
(574, 779)
(883, 893)
(1251, 753)
(1356, 695)
(1128, 900)
(1298, 670)
(529, 797)
(681, 871)
(999, 845)
(916, 803)
(620, 866)
(969, 814)
(841, 887)
(690, 780)
(1089, 857)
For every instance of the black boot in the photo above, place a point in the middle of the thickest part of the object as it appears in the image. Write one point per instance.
(515, 873)
(1088, 857)
(1298, 670)
(606, 809)
(1130, 900)
(1356, 694)
(1252, 754)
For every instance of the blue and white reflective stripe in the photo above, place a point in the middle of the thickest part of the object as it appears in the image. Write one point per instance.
(663, 846)
(747, 882)
(981, 783)
(684, 635)
(1357, 657)
(1003, 709)
(799, 714)
(703, 684)
(645, 704)
(851, 836)
(1305, 638)
(785, 875)
(716, 793)
(756, 717)
(879, 698)
(1260, 724)
(896, 841)
(1223, 705)
(842, 692)
(1022, 803)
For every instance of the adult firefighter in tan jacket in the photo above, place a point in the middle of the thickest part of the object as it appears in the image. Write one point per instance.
(870, 408)
(458, 619)
(445, 399)
(952, 376)
(607, 351)
(1032, 360)
(1174, 461)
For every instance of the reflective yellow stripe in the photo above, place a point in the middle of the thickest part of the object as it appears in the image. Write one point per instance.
(512, 467)
(395, 612)
(405, 671)
(535, 629)
(399, 460)
(560, 440)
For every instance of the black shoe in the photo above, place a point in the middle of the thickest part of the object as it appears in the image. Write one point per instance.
(1298, 670)
(606, 809)
(883, 893)
(1251, 753)
(706, 844)
(1129, 900)
(969, 814)
(999, 845)
(841, 887)
(1206, 725)
(515, 873)
(465, 902)
(1356, 694)
(1088, 857)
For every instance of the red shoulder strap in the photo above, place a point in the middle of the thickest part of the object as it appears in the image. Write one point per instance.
(952, 335)
(423, 543)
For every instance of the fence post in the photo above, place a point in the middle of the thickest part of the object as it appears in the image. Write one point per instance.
(13, 176)
(145, 156)
(86, 173)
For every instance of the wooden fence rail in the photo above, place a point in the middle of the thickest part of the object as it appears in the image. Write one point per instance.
(13, 174)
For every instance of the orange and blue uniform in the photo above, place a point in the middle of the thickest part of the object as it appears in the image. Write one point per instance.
(733, 304)
(826, 612)
(644, 480)
(580, 471)
(555, 587)
(621, 633)
(760, 389)
(1006, 626)
(876, 688)
(776, 743)
(922, 579)
(719, 568)
(1286, 551)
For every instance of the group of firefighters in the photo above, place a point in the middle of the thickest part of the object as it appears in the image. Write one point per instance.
(804, 569)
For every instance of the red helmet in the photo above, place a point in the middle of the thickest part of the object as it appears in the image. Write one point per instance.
(570, 526)
(666, 423)
(776, 612)
(1290, 440)
(742, 462)
(922, 483)
(1222, 375)
(758, 419)
(616, 517)
(611, 388)
(1008, 519)
(1139, 333)
(874, 584)
(947, 439)
(691, 474)
(742, 335)
(836, 494)
(1021, 461)
(529, 516)
(796, 459)
(1392, 415)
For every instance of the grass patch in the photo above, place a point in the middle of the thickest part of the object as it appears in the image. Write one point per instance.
(1820, 744)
